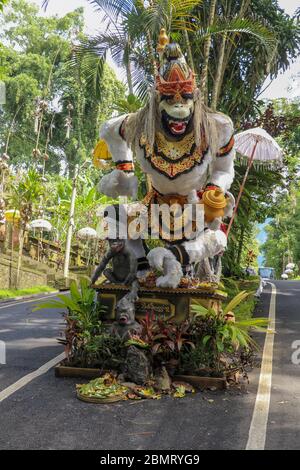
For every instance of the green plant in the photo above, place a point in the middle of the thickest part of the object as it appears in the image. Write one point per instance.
(81, 306)
(216, 336)
(104, 351)
(83, 320)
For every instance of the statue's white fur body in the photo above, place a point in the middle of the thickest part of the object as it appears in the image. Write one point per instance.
(218, 171)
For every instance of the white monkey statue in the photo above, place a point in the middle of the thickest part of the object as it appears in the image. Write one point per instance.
(186, 150)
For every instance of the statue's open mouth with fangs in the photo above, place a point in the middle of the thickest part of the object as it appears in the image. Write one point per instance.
(176, 126)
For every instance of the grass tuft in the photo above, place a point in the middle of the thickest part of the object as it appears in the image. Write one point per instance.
(11, 293)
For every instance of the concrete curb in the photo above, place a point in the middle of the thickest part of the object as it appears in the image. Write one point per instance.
(27, 297)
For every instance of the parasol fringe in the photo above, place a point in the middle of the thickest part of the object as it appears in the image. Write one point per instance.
(259, 165)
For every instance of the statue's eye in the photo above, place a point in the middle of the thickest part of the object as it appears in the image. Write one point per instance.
(187, 96)
(167, 97)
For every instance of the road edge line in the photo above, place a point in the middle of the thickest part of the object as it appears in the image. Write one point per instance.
(7, 392)
(258, 428)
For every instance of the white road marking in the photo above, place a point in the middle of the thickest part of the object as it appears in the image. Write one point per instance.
(29, 301)
(7, 392)
(258, 428)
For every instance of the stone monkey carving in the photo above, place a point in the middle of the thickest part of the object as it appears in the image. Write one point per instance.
(124, 264)
(125, 325)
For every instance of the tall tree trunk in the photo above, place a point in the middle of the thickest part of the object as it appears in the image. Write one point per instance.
(207, 45)
(189, 49)
(128, 67)
(129, 77)
(228, 46)
(218, 77)
(71, 224)
(151, 53)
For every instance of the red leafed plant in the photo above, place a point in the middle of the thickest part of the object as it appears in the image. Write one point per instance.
(165, 337)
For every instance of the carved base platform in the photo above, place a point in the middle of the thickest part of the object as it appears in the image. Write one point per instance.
(165, 303)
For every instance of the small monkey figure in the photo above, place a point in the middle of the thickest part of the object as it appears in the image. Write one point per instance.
(124, 264)
(125, 324)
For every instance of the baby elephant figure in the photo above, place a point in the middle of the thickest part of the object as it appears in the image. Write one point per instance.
(124, 264)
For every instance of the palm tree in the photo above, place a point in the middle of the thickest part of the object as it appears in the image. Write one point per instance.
(134, 26)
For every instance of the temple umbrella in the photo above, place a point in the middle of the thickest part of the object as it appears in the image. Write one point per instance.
(291, 266)
(288, 271)
(88, 234)
(41, 225)
(257, 146)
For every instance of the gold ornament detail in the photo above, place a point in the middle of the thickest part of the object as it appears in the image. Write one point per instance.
(174, 158)
(163, 41)
(214, 204)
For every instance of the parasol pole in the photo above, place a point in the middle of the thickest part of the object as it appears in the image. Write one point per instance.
(249, 166)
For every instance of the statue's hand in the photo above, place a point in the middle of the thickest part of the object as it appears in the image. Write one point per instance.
(163, 260)
(215, 224)
(95, 278)
(118, 183)
(129, 279)
(157, 256)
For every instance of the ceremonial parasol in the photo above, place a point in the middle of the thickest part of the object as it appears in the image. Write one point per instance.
(40, 224)
(87, 233)
(12, 215)
(90, 236)
(291, 266)
(257, 146)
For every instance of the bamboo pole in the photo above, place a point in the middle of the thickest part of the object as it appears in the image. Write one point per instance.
(71, 224)
(250, 163)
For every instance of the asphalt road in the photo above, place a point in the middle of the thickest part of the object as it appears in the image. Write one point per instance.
(45, 413)
(284, 418)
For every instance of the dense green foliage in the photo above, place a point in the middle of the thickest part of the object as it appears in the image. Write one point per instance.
(282, 245)
(36, 55)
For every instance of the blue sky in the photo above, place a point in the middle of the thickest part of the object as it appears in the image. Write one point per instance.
(262, 238)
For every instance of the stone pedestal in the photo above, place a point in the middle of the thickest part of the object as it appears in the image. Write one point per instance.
(164, 303)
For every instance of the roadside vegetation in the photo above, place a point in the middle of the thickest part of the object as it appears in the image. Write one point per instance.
(234, 287)
(11, 293)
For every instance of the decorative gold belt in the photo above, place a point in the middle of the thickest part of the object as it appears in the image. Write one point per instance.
(155, 197)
